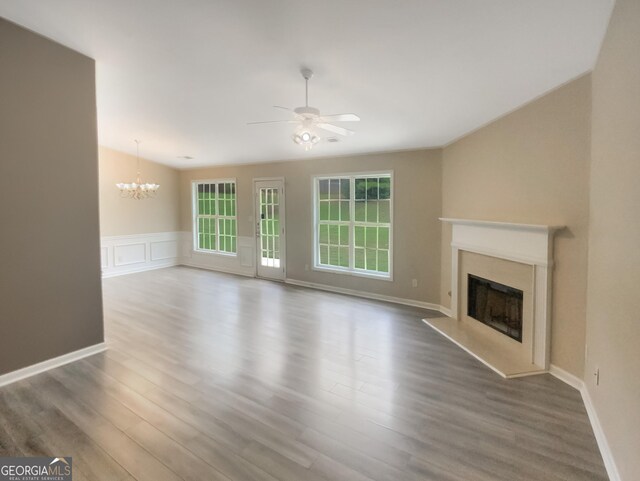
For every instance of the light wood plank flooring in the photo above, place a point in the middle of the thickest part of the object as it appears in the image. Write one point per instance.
(216, 377)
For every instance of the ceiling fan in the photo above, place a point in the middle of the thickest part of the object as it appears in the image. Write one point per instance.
(309, 119)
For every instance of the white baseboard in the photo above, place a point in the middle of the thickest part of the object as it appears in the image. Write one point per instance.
(50, 364)
(445, 310)
(601, 439)
(567, 377)
(366, 295)
(603, 444)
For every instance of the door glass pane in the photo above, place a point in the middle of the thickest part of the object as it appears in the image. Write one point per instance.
(270, 227)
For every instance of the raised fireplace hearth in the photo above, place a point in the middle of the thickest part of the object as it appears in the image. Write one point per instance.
(501, 277)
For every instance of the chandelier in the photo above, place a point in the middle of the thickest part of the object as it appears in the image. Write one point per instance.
(138, 190)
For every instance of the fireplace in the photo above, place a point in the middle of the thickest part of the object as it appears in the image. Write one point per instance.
(500, 311)
(496, 305)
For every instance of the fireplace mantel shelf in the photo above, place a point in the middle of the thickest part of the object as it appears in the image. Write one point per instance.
(504, 225)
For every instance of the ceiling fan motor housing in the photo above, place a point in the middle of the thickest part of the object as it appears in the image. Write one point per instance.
(307, 111)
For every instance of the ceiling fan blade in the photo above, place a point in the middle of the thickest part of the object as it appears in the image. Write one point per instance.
(341, 118)
(274, 122)
(335, 129)
(295, 114)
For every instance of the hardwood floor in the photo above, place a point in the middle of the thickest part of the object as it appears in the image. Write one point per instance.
(210, 376)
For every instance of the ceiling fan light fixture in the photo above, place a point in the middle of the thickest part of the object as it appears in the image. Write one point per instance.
(306, 138)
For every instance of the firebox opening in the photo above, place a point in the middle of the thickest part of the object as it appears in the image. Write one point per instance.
(496, 305)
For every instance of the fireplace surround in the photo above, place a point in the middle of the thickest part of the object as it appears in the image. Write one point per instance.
(510, 258)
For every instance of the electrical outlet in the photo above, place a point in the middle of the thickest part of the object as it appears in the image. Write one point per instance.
(414, 282)
(597, 375)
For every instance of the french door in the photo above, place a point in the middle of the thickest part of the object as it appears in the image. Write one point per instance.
(270, 224)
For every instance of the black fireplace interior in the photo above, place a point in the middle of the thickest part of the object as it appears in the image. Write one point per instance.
(496, 305)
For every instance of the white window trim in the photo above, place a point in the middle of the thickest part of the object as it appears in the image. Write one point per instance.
(194, 218)
(350, 271)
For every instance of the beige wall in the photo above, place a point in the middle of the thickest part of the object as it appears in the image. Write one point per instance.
(50, 298)
(120, 216)
(532, 166)
(613, 312)
(417, 204)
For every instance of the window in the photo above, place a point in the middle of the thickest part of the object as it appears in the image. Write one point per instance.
(215, 221)
(353, 224)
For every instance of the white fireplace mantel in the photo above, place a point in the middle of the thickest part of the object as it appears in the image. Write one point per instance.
(525, 243)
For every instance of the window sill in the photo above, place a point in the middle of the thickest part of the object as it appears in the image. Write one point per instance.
(367, 275)
(214, 253)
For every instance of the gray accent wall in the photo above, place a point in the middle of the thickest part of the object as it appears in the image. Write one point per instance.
(50, 286)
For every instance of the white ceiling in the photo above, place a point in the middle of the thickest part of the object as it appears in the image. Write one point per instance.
(185, 76)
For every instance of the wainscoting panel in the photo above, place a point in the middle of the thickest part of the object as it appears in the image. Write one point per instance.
(127, 254)
(246, 251)
(164, 250)
(135, 253)
(242, 263)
